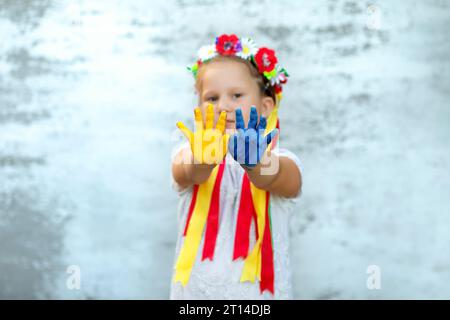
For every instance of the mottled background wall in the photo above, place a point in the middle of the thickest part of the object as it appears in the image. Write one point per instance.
(89, 95)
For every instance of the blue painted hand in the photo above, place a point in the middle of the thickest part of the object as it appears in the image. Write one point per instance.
(247, 145)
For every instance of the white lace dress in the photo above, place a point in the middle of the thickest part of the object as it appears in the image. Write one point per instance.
(220, 278)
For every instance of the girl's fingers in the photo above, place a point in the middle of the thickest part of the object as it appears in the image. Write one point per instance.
(239, 120)
(209, 116)
(187, 133)
(225, 141)
(235, 147)
(221, 122)
(262, 123)
(198, 119)
(253, 118)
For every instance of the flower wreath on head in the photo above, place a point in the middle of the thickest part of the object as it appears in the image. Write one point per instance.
(262, 58)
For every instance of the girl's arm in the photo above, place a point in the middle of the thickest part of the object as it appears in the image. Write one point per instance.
(285, 182)
(249, 148)
(186, 173)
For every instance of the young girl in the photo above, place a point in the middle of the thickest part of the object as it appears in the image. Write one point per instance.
(236, 186)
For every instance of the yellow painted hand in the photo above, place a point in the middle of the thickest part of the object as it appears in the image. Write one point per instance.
(208, 144)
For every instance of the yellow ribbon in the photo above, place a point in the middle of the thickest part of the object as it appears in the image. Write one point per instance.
(272, 121)
(252, 264)
(188, 253)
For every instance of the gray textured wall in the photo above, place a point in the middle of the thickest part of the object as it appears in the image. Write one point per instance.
(89, 96)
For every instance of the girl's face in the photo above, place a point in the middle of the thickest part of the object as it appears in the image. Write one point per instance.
(228, 85)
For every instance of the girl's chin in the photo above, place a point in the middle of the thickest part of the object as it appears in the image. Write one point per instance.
(230, 128)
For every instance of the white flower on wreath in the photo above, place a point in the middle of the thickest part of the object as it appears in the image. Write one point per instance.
(248, 48)
(207, 52)
(279, 77)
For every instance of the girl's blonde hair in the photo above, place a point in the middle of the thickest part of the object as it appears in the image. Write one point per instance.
(264, 85)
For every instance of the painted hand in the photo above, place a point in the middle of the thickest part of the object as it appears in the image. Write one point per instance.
(208, 144)
(247, 145)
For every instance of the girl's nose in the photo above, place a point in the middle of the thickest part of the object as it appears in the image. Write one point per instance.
(224, 105)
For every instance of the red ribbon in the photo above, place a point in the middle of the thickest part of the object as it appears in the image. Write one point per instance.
(245, 214)
(267, 270)
(267, 267)
(212, 224)
(191, 208)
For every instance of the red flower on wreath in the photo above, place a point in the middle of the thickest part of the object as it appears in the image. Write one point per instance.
(228, 45)
(265, 59)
